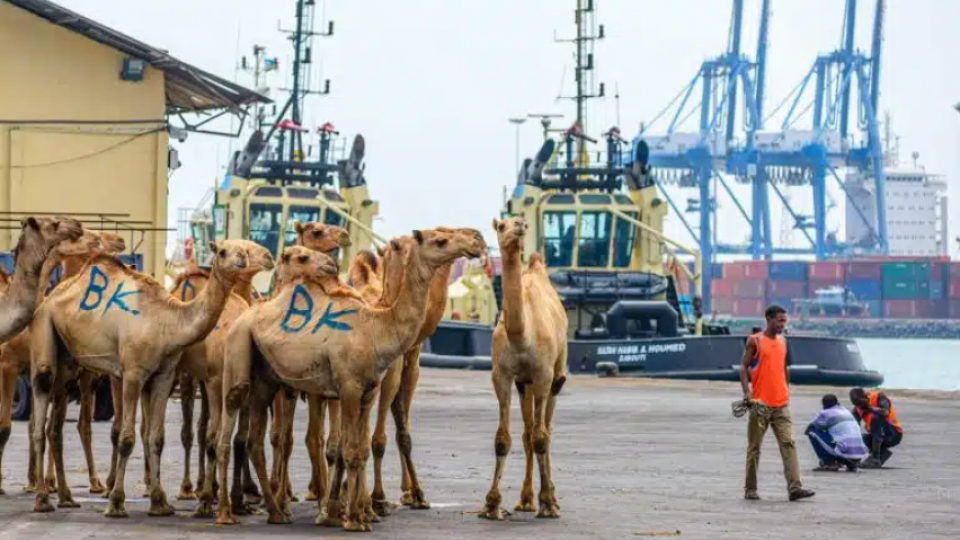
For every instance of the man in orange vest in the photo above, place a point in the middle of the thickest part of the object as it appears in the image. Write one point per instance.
(879, 418)
(763, 376)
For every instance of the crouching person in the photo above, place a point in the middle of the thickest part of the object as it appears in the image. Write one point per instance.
(880, 421)
(835, 436)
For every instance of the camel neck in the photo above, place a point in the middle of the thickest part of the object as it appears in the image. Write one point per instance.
(20, 301)
(199, 316)
(512, 312)
(401, 321)
(244, 289)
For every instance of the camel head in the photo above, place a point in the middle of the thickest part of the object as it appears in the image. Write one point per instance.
(230, 259)
(510, 233)
(38, 237)
(88, 244)
(258, 258)
(320, 237)
(112, 243)
(439, 247)
(300, 262)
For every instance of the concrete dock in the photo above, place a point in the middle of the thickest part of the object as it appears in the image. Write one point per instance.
(632, 459)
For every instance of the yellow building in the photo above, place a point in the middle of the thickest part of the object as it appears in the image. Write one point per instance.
(84, 116)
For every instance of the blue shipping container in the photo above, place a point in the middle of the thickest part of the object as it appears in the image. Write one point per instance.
(876, 308)
(785, 303)
(937, 290)
(788, 271)
(716, 270)
(866, 289)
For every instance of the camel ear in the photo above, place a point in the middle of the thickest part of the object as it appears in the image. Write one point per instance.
(395, 245)
(496, 225)
(285, 257)
(213, 246)
(298, 227)
(419, 236)
(33, 224)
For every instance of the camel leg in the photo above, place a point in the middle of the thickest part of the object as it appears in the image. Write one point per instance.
(260, 399)
(526, 503)
(88, 395)
(145, 421)
(116, 391)
(31, 486)
(413, 495)
(285, 491)
(55, 433)
(316, 407)
(159, 395)
(388, 391)
(187, 393)
(213, 390)
(240, 456)
(132, 386)
(369, 516)
(352, 412)
(202, 424)
(501, 385)
(555, 388)
(232, 402)
(43, 369)
(51, 461)
(276, 423)
(333, 440)
(333, 516)
(8, 386)
(541, 446)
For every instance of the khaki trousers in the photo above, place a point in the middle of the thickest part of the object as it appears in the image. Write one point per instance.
(779, 420)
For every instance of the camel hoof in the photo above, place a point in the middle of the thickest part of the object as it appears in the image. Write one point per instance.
(242, 510)
(548, 512)
(68, 503)
(525, 506)
(324, 520)
(43, 506)
(186, 495)
(406, 499)
(356, 526)
(279, 519)
(115, 512)
(226, 519)
(293, 498)
(161, 510)
(310, 496)
(30, 488)
(97, 490)
(384, 507)
(420, 504)
(204, 511)
(493, 514)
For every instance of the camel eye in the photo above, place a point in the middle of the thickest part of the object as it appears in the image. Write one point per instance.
(303, 259)
(441, 242)
(500, 227)
(286, 257)
(317, 234)
(223, 253)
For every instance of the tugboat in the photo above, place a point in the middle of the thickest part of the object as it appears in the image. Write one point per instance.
(600, 231)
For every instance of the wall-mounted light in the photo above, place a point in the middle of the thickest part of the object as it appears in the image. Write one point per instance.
(133, 69)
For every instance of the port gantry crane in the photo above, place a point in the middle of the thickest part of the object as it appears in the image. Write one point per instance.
(808, 157)
(704, 159)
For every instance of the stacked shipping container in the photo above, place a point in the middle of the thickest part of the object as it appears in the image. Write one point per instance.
(890, 287)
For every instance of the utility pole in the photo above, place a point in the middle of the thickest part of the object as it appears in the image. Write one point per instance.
(517, 122)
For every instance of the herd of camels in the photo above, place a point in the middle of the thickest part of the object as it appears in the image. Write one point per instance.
(340, 346)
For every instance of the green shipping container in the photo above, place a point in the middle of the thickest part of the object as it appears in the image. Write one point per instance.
(905, 271)
(902, 289)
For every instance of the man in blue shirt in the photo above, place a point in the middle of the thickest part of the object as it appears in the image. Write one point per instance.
(835, 435)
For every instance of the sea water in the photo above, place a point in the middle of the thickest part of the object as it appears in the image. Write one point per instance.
(919, 364)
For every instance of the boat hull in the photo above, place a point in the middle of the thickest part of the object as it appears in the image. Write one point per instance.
(815, 360)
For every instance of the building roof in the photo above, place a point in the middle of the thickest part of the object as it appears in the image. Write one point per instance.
(188, 89)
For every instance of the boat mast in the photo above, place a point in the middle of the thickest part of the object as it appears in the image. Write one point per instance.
(585, 14)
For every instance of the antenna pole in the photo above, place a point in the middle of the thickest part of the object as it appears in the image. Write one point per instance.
(583, 41)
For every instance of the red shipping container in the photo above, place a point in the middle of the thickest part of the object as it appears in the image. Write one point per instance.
(863, 270)
(753, 289)
(721, 288)
(748, 307)
(954, 309)
(756, 270)
(827, 270)
(723, 306)
(937, 270)
(815, 284)
(933, 309)
(733, 271)
(955, 288)
(787, 289)
(955, 270)
(900, 309)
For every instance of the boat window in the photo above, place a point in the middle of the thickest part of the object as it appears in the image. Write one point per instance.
(202, 233)
(558, 235)
(622, 199)
(561, 199)
(269, 191)
(332, 196)
(332, 218)
(265, 225)
(594, 247)
(302, 193)
(300, 214)
(623, 241)
(594, 198)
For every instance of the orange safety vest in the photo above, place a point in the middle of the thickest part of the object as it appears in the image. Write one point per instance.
(769, 377)
(867, 415)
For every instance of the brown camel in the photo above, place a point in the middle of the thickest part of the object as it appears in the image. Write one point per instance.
(341, 352)
(529, 350)
(15, 354)
(111, 319)
(37, 238)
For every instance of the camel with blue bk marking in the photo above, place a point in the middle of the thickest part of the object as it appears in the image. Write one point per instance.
(113, 320)
(336, 347)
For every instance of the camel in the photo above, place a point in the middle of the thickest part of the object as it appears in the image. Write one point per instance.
(15, 354)
(111, 319)
(341, 352)
(19, 301)
(529, 350)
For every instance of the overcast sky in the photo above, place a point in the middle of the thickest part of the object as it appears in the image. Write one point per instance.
(431, 83)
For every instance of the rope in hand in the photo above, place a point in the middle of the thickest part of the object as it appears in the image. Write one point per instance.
(742, 406)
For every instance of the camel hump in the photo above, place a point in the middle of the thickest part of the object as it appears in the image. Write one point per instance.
(536, 261)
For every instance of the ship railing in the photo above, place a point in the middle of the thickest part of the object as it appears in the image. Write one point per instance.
(95, 221)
